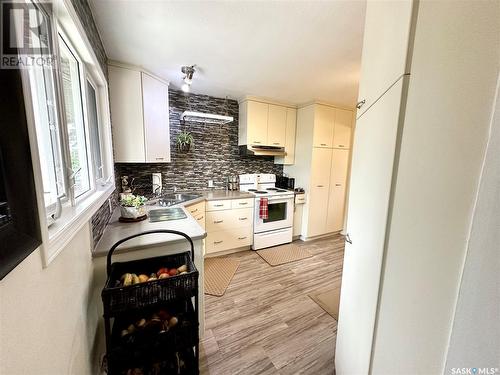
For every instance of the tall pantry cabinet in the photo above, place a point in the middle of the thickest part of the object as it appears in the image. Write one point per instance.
(417, 157)
(321, 166)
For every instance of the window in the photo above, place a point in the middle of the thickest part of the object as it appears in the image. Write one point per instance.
(95, 139)
(70, 72)
(67, 115)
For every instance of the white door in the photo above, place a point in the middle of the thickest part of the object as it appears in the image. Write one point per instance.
(336, 198)
(324, 123)
(276, 126)
(386, 35)
(125, 96)
(156, 123)
(257, 123)
(343, 128)
(317, 202)
(370, 185)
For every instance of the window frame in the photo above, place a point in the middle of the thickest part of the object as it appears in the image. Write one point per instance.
(76, 212)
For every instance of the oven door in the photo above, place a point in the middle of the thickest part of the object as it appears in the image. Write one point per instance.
(280, 214)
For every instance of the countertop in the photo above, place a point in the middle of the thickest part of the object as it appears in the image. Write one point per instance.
(115, 230)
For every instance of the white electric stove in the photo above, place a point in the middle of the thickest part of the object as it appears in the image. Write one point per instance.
(277, 229)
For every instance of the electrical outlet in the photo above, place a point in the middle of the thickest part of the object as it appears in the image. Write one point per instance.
(210, 183)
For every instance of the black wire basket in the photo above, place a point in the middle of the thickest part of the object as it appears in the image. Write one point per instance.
(117, 299)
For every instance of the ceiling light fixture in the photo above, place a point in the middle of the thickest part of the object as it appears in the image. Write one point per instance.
(188, 77)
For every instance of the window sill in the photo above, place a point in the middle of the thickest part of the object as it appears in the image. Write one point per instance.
(72, 220)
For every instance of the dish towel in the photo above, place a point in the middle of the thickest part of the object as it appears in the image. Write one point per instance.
(263, 209)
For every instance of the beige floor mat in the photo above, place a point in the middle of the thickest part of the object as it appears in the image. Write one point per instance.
(283, 254)
(328, 300)
(218, 274)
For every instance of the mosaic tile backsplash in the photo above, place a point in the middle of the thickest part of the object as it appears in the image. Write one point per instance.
(214, 156)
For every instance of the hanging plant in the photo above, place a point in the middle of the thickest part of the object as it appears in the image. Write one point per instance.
(184, 141)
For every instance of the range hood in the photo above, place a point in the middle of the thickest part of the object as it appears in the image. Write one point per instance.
(262, 150)
(207, 118)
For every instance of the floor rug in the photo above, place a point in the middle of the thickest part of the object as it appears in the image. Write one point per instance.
(283, 254)
(218, 274)
(328, 300)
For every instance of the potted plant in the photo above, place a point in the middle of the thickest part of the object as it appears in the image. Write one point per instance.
(184, 141)
(132, 206)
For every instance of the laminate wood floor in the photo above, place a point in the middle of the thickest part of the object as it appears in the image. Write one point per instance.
(265, 323)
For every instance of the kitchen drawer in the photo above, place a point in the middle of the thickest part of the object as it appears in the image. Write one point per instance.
(300, 199)
(228, 239)
(242, 203)
(219, 205)
(228, 219)
(200, 218)
(196, 209)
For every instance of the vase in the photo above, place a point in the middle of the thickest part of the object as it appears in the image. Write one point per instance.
(132, 212)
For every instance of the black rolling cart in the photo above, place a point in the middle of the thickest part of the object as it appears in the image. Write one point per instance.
(152, 326)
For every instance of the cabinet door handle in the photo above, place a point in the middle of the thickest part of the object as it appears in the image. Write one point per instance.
(256, 142)
(200, 218)
(193, 211)
(338, 185)
(242, 238)
(323, 144)
(319, 186)
(360, 104)
(341, 146)
(348, 239)
(218, 221)
(160, 158)
(242, 203)
(276, 143)
(218, 242)
(242, 218)
(218, 205)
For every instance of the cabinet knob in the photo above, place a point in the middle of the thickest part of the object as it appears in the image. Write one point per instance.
(360, 104)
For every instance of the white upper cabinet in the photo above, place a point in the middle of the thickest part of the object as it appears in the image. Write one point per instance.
(125, 95)
(276, 125)
(343, 129)
(324, 124)
(263, 123)
(256, 122)
(139, 114)
(156, 123)
(385, 43)
(291, 128)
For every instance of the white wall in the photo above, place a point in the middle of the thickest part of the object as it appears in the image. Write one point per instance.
(452, 86)
(475, 338)
(48, 317)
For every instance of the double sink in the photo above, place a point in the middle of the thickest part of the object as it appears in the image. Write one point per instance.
(172, 213)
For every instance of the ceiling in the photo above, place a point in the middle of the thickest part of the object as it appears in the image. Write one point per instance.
(291, 51)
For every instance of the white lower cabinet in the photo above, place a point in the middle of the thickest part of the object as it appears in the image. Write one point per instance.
(229, 224)
(197, 211)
